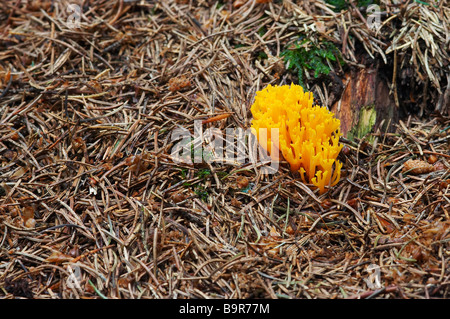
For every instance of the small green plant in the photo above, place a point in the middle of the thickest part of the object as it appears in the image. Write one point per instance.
(184, 173)
(340, 5)
(262, 55)
(305, 55)
(202, 193)
(219, 5)
(262, 31)
(202, 173)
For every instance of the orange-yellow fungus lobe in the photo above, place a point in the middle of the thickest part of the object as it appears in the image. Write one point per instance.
(308, 135)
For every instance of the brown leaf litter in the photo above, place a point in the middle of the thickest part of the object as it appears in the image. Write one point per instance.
(87, 182)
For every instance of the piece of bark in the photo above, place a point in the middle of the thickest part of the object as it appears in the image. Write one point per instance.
(365, 88)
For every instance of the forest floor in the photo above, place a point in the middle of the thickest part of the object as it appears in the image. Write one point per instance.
(93, 206)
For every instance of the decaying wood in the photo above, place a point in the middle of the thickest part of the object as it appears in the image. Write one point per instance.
(366, 87)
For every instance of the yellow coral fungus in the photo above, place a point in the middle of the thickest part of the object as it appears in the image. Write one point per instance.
(308, 135)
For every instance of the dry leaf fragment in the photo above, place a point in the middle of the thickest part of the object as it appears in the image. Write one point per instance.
(178, 83)
(123, 282)
(326, 203)
(178, 197)
(75, 251)
(88, 287)
(353, 203)
(242, 182)
(438, 166)
(95, 86)
(78, 143)
(320, 26)
(417, 167)
(238, 3)
(274, 233)
(432, 159)
(386, 224)
(18, 173)
(30, 223)
(27, 213)
(9, 155)
(444, 184)
(419, 254)
(58, 257)
(8, 76)
(216, 118)
(235, 202)
(138, 163)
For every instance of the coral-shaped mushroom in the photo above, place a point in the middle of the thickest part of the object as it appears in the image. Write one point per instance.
(308, 135)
